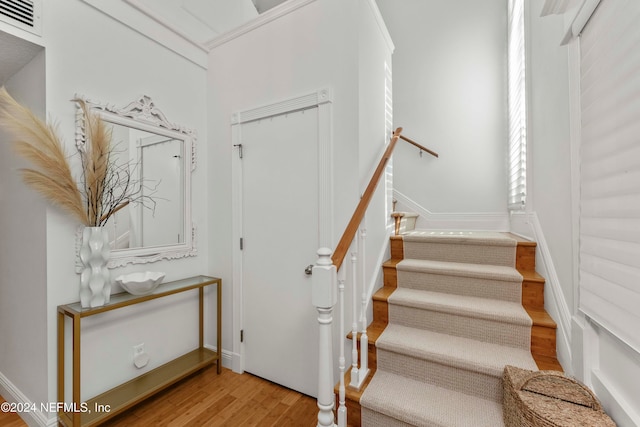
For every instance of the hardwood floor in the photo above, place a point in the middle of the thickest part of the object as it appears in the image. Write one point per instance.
(208, 399)
(10, 419)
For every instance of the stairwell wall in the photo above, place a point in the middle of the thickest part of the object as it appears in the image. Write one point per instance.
(375, 49)
(449, 90)
(23, 297)
(548, 217)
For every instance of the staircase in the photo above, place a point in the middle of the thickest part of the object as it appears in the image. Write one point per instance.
(455, 308)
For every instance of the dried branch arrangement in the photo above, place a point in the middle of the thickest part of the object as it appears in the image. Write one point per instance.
(104, 188)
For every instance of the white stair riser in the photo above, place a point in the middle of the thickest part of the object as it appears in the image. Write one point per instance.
(408, 223)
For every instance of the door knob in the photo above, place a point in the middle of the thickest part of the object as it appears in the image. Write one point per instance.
(309, 270)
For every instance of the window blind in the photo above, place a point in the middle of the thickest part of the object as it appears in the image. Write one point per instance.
(388, 131)
(609, 289)
(517, 106)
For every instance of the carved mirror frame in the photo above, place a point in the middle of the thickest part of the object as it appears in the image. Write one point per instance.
(142, 114)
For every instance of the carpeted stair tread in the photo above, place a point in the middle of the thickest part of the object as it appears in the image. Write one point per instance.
(457, 352)
(469, 247)
(487, 238)
(479, 280)
(455, 320)
(481, 308)
(392, 397)
(481, 271)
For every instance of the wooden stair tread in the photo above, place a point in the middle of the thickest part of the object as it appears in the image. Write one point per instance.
(350, 392)
(547, 363)
(374, 330)
(522, 241)
(532, 276)
(383, 293)
(391, 263)
(541, 318)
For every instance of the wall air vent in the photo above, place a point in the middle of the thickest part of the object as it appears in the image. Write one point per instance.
(24, 14)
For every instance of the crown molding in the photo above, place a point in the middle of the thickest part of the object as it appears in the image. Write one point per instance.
(268, 16)
(581, 18)
(381, 25)
(138, 18)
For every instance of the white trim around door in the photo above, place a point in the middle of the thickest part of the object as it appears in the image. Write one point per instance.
(321, 99)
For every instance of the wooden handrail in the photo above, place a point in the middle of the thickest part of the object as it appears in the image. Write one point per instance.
(358, 215)
(433, 153)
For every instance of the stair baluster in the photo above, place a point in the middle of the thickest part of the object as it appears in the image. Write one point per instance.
(364, 365)
(323, 297)
(342, 408)
(354, 325)
(325, 289)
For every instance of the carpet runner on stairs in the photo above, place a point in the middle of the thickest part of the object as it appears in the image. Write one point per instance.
(455, 321)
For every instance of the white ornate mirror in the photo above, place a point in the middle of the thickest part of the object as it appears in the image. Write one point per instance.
(160, 156)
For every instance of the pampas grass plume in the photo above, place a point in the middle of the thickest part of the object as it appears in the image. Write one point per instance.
(38, 143)
(95, 163)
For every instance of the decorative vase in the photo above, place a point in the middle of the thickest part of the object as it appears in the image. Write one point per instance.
(95, 283)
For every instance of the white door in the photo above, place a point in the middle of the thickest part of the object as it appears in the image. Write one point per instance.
(280, 238)
(162, 164)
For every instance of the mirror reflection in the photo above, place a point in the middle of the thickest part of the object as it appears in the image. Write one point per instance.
(156, 162)
(159, 158)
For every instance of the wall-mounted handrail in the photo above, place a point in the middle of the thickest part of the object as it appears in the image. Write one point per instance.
(433, 153)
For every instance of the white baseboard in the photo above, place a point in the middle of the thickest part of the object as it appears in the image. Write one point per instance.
(33, 418)
(230, 360)
(617, 407)
(377, 279)
(492, 221)
(528, 225)
(556, 302)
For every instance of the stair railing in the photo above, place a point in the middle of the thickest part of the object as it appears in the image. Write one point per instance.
(328, 287)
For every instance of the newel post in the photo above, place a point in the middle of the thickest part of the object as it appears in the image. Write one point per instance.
(323, 297)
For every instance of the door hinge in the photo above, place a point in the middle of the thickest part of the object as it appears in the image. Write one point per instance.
(241, 335)
(239, 149)
(241, 243)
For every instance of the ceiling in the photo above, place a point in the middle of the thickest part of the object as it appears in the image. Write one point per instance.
(203, 20)
(16, 53)
(197, 20)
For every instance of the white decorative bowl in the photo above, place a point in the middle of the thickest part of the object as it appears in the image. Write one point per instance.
(140, 283)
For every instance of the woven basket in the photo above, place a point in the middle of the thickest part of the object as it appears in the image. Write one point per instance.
(549, 399)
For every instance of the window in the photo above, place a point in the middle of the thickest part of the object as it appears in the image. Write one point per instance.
(517, 106)
(388, 131)
(610, 169)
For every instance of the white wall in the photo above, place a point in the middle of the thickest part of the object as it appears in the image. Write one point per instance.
(308, 49)
(85, 54)
(23, 278)
(323, 44)
(99, 68)
(450, 95)
(374, 50)
(550, 183)
(549, 211)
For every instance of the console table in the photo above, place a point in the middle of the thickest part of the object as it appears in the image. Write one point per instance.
(134, 391)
